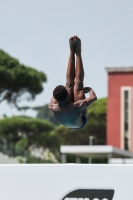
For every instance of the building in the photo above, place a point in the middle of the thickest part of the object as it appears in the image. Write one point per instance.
(120, 108)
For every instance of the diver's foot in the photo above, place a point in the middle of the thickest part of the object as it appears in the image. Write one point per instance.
(71, 44)
(77, 46)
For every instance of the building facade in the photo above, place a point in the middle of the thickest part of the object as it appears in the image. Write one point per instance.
(120, 108)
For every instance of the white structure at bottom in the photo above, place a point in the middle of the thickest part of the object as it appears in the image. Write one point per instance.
(94, 151)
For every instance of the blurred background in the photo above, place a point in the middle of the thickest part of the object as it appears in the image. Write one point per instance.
(34, 52)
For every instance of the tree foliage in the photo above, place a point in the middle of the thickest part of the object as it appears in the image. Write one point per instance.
(24, 132)
(21, 133)
(17, 79)
(96, 124)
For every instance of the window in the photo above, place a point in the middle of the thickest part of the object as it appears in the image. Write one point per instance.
(125, 117)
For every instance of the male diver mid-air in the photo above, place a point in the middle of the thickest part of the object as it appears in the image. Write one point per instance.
(69, 104)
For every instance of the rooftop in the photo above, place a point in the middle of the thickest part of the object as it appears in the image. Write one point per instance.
(95, 151)
(119, 69)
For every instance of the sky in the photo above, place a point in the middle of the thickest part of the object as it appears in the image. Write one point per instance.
(36, 32)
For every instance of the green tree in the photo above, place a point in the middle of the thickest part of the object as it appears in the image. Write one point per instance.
(17, 80)
(21, 133)
(96, 124)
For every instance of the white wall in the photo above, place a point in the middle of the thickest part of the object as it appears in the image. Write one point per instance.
(54, 182)
(121, 161)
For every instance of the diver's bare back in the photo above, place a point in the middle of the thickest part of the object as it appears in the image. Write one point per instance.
(68, 115)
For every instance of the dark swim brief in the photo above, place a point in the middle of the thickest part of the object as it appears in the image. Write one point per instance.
(84, 120)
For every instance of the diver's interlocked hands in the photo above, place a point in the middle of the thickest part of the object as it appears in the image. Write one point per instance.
(87, 89)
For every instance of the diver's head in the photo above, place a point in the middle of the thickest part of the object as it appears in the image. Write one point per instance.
(60, 93)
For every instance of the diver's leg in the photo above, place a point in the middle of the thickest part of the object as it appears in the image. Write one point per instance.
(79, 72)
(70, 73)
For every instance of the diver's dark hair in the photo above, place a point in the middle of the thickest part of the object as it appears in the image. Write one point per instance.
(60, 93)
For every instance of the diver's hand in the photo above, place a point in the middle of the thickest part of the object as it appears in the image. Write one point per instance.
(87, 89)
